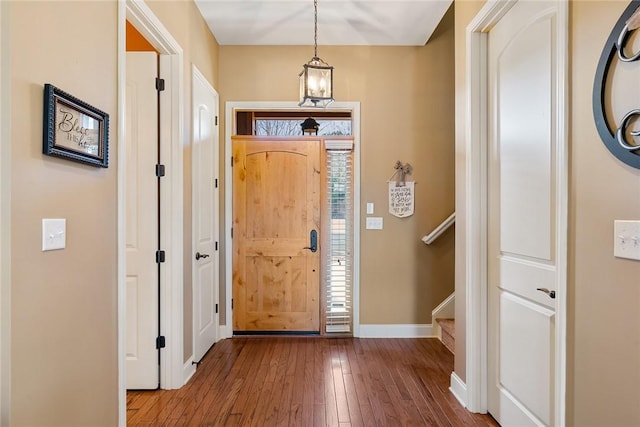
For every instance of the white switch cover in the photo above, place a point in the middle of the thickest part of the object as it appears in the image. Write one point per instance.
(374, 223)
(626, 235)
(54, 234)
(369, 208)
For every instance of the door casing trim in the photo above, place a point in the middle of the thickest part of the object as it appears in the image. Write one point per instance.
(226, 331)
(476, 203)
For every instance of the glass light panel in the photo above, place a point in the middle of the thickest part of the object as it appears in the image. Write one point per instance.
(316, 84)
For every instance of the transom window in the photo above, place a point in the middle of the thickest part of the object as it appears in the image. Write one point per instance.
(263, 123)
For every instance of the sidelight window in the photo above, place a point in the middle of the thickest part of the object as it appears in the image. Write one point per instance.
(339, 247)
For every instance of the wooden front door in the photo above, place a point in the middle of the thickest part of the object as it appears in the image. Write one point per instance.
(276, 207)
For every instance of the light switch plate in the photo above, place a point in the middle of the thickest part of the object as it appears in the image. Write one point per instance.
(374, 223)
(626, 239)
(54, 234)
(370, 208)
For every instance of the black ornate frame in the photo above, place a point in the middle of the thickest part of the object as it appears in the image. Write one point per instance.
(616, 141)
(81, 141)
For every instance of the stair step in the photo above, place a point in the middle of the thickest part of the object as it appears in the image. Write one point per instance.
(448, 333)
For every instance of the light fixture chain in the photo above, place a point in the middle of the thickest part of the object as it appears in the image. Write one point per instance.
(315, 28)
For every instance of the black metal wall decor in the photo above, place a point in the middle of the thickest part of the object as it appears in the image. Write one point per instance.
(617, 133)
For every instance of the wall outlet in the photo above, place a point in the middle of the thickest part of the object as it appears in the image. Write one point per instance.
(374, 223)
(626, 239)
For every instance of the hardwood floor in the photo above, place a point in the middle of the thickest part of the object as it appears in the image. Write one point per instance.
(299, 381)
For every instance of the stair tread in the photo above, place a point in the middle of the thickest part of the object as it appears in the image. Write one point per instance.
(448, 327)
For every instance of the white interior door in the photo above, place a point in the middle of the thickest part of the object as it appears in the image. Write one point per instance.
(523, 214)
(205, 217)
(142, 371)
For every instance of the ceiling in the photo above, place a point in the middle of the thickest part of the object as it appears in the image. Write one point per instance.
(340, 22)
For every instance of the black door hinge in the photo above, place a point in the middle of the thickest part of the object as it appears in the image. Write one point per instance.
(232, 232)
(216, 246)
(160, 342)
(159, 84)
(159, 170)
(216, 182)
(231, 303)
(159, 257)
(231, 161)
(216, 120)
(216, 308)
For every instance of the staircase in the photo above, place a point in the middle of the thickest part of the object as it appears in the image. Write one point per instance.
(447, 333)
(444, 325)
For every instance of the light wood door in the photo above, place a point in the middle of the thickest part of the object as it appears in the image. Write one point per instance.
(205, 215)
(524, 210)
(141, 224)
(276, 206)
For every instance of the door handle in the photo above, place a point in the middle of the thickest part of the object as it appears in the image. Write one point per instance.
(199, 255)
(313, 244)
(552, 294)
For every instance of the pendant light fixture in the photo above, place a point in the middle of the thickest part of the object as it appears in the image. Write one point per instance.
(316, 78)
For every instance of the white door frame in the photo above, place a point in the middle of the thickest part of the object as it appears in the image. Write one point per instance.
(5, 219)
(226, 331)
(476, 136)
(171, 132)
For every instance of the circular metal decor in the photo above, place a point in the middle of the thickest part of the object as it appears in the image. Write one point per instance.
(617, 130)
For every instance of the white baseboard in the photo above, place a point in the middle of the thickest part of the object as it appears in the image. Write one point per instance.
(459, 389)
(396, 331)
(225, 331)
(188, 370)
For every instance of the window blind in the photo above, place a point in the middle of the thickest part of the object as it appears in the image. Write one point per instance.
(339, 263)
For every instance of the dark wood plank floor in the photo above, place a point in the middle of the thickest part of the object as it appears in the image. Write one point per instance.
(299, 381)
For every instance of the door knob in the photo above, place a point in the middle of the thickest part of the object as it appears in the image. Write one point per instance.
(199, 255)
(552, 294)
(313, 244)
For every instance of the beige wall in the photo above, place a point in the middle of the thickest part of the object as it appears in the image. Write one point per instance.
(603, 292)
(64, 303)
(183, 20)
(406, 96)
(5, 218)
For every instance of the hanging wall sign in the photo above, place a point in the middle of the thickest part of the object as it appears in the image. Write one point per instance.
(401, 197)
(616, 89)
(401, 194)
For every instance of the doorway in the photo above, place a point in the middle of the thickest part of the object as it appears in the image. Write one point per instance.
(276, 221)
(491, 358)
(171, 130)
(143, 267)
(231, 129)
(205, 214)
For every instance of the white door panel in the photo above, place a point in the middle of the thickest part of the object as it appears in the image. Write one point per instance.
(522, 214)
(205, 215)
(141, 221)
(524, 101)
(523, 356)
(523, 277)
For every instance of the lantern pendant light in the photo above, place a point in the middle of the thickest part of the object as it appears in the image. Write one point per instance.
(316, 78)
